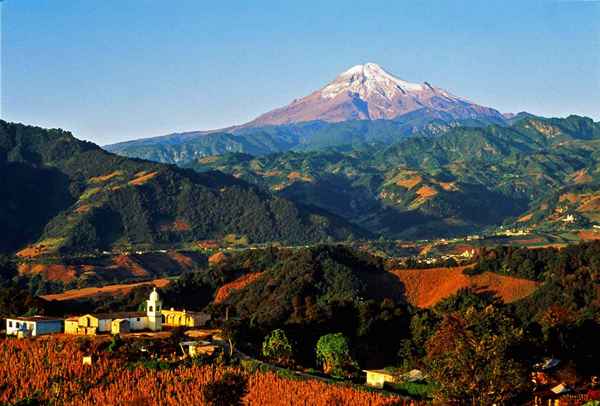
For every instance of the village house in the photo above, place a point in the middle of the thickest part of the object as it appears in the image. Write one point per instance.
(377, 378)
(33, 326)
(198, 348)
(183, 318)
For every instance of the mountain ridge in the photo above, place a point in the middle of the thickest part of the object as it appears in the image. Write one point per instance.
(95, 200)
(463, 182)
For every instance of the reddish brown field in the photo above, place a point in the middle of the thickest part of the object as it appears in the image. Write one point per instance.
(409, 183)
(426, 287)
(142, 177)
(54, 272)
(241, 282)
(181, 225)
(110, 290)
(129, 263)
(589, 235)
(426, 192)
(217, 258)
(534, 240)
(118, 267)
(51, 372)
(525, 218)
(104, 178)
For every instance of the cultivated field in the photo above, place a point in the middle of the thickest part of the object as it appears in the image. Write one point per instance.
(426, 287)
(109, 290)
(50, 371)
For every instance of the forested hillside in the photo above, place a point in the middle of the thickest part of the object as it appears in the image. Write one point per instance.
(536, 172)
(64, 195)
(312, 292)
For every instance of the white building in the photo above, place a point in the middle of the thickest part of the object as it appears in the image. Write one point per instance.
(33, 326)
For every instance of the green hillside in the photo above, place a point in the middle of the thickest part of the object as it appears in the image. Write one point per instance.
(65, 195)
(467, 180)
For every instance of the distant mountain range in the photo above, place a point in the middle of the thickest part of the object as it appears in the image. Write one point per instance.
(404, 160)
(61, 195)
(542, 173)
(364, 104)
(367, 155)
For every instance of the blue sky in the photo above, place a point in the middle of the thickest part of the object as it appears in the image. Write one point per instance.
(111, 70)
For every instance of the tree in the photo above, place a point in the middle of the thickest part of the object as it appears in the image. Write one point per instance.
(473, 356)
(227, 391)
(276, 347)
(8, 270)
(333, 353)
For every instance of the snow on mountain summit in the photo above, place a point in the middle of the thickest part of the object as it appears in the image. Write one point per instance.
(368, 92)
(368, 79)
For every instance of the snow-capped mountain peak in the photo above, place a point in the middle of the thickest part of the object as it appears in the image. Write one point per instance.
(369, 79)
(369, 92)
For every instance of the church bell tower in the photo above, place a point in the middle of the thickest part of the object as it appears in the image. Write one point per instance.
(153, 308)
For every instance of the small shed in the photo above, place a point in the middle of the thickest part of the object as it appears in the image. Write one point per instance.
(377, 378)
(198, 348)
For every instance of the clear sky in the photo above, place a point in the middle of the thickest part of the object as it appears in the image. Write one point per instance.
(111, 70)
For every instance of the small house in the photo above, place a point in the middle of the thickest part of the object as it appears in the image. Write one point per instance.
(92, 324)
(183, 318)
(377, 378)
(33, 326)
(198, 348)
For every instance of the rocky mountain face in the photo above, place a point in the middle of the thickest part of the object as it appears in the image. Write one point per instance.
(368, 92)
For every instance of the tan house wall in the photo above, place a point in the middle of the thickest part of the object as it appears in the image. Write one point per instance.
(86, 325)
(71, 326)
(181, 318)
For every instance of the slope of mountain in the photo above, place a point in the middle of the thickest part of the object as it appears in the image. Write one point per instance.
(364, 104)
(65, 195)
(469, 179)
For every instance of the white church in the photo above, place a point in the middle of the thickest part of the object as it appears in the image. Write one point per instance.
(122, 322)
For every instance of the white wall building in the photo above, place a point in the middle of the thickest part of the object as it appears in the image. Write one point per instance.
(33, 326)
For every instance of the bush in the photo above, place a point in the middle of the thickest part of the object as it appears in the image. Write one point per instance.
(227, 391)
(278, 348)
(333, 352)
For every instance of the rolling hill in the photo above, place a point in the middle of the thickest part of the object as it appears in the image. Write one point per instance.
(62, 195)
